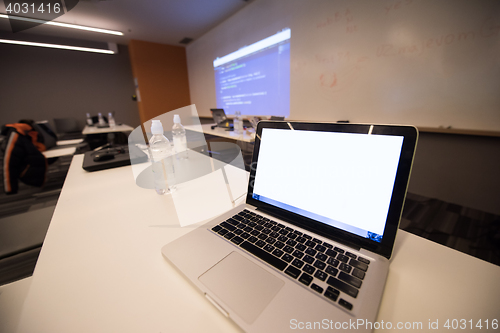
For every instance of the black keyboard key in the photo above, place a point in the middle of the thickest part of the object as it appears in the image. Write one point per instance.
(345, 267)
(309, 269)
(310, 243)
(321, 256)
(298, 254)
(282, 239)
(255, 233)
(310, 251)
(338, 249)
(259, 227)
(276, 228)
(238, 231)
(327, 245)
(291, 242)
(358, 265)
(279, 244)
(343, 258)
(216, 228)
(301, 240)
(317, 288)
(274, 234)
(229, 235)
(222, 232)
(308, 259)
(297, 232)
(252, 239)
(245, 235)
(281, 225)
(331, 270)
(364, 261)
(331, 253)
(252, 224)
(300, 247)
(268, 248)
(293, 272)
(342, 286)
(262, 236)
(248, 229)
(333, 262)
(228, 226)
(319, 264)
(267, 257)
(286, 257)
(307, 236)
(317, 241)
(320, 248)
(270, 240)
(288, 249)
(353, 281)
(297, 263)
(233, 221)
(320, 275)
(237, 240)
(351, 255)
(278, 252)
(345, 304)
(289, 229)
(283, 232)
(358, 273)
(332, 294)
(292, 236)
(266, 231)
(260, 243)
(306, 279)
(237, 217)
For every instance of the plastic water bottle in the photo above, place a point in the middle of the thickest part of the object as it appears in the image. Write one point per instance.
(111, 120)
(161, 158)
(179, 135)
(238, 123)
(89, 120)
(101, 120)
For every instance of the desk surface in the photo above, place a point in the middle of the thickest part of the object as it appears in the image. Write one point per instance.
(96, 130)
(221, 132)
(101, 270)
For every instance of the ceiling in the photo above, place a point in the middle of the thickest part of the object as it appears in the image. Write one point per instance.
(159, 21)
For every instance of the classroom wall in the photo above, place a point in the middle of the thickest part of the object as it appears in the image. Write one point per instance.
(42, 84)
(160, 72)
(421, 62)
(425, 63)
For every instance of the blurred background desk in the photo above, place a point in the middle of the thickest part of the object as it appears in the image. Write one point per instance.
(110, 129)
(98, 136)
(245, 141)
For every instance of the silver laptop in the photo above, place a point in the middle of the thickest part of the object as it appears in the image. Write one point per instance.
(310, 249)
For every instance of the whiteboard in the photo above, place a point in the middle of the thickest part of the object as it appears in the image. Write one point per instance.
(425, 63)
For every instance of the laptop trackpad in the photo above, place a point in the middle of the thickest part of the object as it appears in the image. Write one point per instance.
(242, 285)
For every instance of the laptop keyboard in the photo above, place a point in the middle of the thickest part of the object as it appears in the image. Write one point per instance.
(302, 257)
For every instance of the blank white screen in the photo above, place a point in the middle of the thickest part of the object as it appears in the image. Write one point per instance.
(342, 176)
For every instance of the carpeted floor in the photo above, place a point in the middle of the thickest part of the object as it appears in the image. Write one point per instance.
(467, 230)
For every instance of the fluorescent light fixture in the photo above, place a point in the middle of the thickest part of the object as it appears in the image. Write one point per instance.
(65, 25)
(56, 46)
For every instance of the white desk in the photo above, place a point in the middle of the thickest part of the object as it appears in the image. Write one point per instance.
(112, 129)
(58, 152)
(101, 270)
(221, 132)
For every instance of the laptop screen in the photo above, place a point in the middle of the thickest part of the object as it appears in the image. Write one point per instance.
(344, 180)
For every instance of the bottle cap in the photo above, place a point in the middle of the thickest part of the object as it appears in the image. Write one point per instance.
(177, 119)
(156, 127)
